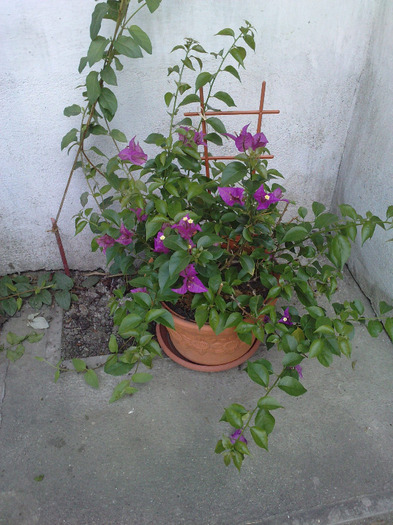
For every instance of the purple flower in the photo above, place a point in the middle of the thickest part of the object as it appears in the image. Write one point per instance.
(286, 318)
(237, 435)
(298, 369)
(232, 196)
(105, 242)
(125, 236)
(198, 137)
(191, 282)
(134, 153)
(159, 244)
(245, 140)
(259, 141)
(186, 227)
(140, 216)
(266, 199)
(136, 290)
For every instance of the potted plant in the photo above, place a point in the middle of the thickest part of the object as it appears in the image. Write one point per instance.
(225, 254)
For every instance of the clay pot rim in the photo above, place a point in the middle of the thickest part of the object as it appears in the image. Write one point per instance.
(165, 343)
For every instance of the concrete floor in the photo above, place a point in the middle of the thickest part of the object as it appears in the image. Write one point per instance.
(149, 459)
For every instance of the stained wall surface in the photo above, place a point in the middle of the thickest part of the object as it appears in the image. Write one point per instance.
(312, 55)
(365, 177)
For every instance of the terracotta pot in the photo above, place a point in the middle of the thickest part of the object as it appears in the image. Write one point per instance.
(203, 346)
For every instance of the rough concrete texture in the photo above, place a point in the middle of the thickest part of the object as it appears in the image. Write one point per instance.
(149, 459)
(310, 53)
(365, 178)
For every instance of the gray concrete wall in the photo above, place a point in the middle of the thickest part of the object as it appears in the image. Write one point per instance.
(310, 53)
(365, 177)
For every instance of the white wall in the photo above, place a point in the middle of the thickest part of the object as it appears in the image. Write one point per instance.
(366, 172)
(310, 53)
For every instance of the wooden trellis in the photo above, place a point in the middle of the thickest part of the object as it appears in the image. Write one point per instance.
(261, 111)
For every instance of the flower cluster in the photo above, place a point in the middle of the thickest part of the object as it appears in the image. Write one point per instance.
(133, 153)
(125, 238)
(245, 140)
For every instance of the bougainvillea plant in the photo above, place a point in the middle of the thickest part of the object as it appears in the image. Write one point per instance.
(175, 233)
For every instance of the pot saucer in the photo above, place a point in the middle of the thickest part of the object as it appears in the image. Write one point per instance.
(169, 349)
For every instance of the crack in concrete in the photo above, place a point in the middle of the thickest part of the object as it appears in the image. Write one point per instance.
(3, 393)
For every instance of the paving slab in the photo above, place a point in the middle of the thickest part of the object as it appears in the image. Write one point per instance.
(149, 459)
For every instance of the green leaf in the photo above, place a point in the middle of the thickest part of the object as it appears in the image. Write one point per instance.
(69, 137)
(295, 234)
(14, 355)
(232, 71)
(225, 97)
(167, 98)
(374, 328)
(178, 261)
(269, 403)
(141, 377)
(10, 306)
(96, 50)
(63, 299)
(82, 64)
(14, 339)
(264, 420)
(302, 212)
(79, 365)
(118, 135)
(113, 346)
(384, 307)
(344, 346)
(153, 5)
(325, 219)
(39, 478)
(214, 319)
(201, 315)
(260, 437)
(194, 190)
(216, 124)
(318, 208)
(341, 249)
(166, 319)
(99, 12)
(348, 211)
(141, 38)
(258, 373)
(389, 327)
(126, 45)
(239, 54)
(108, 75)
(71, 111)
(128, 324)
(202, 79)
(122, 389)
(91, 379)
(155, 138)
(189, 99)
(249, 40)
(107, 100)
(232, 173)
(115, 368)
(35, 338)
(247, 264)
(93, 87)
(367, 231)
(291, 386)
(226, 32)
(62, 281)
(316, 347)
(292, 359)
(214, 137)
